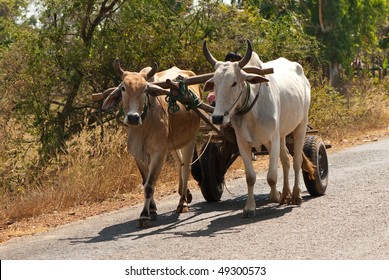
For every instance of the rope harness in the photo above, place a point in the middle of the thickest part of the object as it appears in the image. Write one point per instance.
(246, 107)
(146, 105)
(191, 99)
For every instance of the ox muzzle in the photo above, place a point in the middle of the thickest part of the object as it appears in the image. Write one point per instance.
(217, 119)
(133, 119)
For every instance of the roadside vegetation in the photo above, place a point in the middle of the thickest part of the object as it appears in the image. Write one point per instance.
(59, 151)
(360, 106)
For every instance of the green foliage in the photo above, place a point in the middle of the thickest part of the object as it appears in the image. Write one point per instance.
(10, 10)
(348, 27)
(285, 37)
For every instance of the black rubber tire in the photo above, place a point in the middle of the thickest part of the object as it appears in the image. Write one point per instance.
(196, 168)
(212, 181)
(315, 150)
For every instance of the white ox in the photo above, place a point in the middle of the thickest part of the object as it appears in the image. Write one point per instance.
(153, 131)
(280, 108)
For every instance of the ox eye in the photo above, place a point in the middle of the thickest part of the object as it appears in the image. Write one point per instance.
(234, 84)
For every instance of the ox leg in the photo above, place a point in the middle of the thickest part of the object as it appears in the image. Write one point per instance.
(245, 153)
(182, 175)
(144, 171)
(183, 158)
(149, 208)
(298, 138)
(274, 154)
(284, 155)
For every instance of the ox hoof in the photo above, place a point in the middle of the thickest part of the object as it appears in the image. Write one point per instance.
(297, 200)
(286, 200)
(248, 213)
(182, 209)
(143, 223)
(276, 197)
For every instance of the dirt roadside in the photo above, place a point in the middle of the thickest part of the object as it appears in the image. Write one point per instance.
(51, 220)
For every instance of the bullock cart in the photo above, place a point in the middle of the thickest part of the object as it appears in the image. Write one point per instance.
(217, 154)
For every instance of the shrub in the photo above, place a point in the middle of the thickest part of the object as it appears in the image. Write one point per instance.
(363, 105)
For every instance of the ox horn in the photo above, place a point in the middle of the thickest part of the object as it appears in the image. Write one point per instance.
(152, 71)
(208, 55)
(118, 68)
(242, 63)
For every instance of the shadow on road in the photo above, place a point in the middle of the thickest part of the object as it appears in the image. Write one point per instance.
(223, 217)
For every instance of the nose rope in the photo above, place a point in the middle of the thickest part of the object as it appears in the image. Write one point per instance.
(237, 99)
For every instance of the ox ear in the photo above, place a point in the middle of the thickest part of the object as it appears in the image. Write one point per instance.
(209, 85)
(113, 99)
(155, 90)
(255, 79)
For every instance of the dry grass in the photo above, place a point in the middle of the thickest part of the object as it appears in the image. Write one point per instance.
(97, 170)
(364, 105)
(93, 170)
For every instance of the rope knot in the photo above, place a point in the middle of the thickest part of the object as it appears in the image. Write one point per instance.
(186, 96)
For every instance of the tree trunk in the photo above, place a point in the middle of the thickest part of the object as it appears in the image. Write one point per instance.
(321, 18)
(334, 69)
(62, 126)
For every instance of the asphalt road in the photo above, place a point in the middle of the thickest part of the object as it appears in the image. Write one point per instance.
(350, 222)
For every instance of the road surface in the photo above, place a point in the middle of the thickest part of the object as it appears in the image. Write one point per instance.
(350, 222)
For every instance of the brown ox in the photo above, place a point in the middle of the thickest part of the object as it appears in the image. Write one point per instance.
(153, 131)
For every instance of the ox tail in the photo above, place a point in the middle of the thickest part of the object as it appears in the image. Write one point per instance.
(309, 167)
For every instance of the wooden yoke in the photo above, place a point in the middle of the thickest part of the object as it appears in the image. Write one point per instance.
(102, 95)
(199, 79)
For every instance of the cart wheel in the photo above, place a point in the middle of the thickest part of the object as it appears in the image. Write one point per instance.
(212, 181)
(315, 150)
(196, 167)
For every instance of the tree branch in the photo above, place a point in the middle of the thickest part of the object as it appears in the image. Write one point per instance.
(323, 27)
(104, 12)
